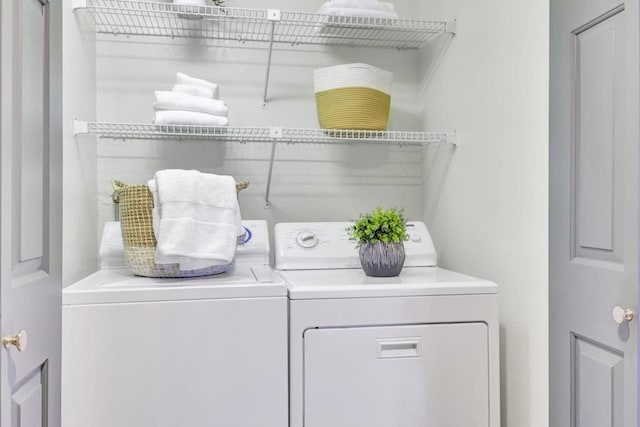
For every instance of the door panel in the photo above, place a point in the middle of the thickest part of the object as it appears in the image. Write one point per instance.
(593, 221)
(409, 376)
(28, 401)
(29, 119)
(30, 211)
(598, 374)
(598, 66)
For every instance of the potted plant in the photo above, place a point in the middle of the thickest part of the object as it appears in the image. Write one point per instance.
(380, 239)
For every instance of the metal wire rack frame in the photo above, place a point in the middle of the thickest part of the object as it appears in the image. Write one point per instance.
(273, 135)
(126, 131)
(144, 18)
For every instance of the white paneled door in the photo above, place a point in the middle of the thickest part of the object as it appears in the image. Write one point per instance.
(30, 213)
(594, 114)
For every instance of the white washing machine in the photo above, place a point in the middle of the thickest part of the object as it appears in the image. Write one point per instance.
(417, 350)
(211, 351)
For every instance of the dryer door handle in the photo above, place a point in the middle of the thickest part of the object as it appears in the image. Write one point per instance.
(395, 348)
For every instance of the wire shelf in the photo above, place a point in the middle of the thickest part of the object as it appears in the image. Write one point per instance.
(141, 131)
(144, 18)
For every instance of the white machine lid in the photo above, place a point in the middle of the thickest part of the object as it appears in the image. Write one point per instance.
(121, 286)
(353, 283)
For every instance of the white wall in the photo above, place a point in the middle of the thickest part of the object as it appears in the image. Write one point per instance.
(79, 246)
(310, 182)
(489, 216)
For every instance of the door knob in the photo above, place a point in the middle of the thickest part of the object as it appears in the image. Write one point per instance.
(620, 314)
(19, 341)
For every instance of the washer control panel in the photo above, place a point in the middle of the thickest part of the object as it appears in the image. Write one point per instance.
(253, 245)
(326, 245)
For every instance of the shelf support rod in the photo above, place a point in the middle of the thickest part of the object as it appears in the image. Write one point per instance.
(275, 133)
(273, 15)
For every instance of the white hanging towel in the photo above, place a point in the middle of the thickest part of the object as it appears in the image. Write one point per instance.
(198, 219)
(361, 4)
(182, 78)
(327, 9)
(111, 246)
(155, 212)
(193, 90)
(174, 117)
(167, 100)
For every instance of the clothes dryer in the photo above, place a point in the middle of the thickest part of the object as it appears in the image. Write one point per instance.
(416, 350)
(178, 352)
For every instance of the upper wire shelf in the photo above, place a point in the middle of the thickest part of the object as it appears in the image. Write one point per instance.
(142, 131)
(143, 18)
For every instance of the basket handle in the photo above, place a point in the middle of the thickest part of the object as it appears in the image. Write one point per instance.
(241, 185)
(117, 187)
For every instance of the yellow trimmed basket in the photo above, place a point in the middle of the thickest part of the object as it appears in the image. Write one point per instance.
(353, 96)
(135, 204)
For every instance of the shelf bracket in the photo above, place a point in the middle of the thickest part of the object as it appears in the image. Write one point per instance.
(451, 27)
(452, 138)
(275, 133)
(273, 15)
(80, 127)
(79, 4)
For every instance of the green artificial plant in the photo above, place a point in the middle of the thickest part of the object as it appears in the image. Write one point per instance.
(381, 225)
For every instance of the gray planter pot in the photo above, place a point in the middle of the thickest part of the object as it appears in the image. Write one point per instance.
(382, 259)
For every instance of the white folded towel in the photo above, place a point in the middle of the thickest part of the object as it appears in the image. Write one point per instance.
(356, 12)
(361, 4)
(173, 117)
(193, 90)
(198, 218)
(182, 78)
(167, 100)
(354, 3)
(191, 2)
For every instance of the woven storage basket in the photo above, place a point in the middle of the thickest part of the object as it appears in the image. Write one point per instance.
(136, 204)
(353, 96)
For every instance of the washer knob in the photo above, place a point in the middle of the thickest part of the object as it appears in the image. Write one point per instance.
(307, 239)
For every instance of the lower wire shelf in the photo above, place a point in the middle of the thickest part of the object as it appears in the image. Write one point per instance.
(273, 135)
(134, 131)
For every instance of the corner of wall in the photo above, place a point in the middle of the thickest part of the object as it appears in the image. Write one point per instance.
(488, 209)
(79, 157)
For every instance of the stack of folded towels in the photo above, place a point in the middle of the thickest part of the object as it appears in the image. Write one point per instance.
(192, 101)
(360, 8)
(196, 218)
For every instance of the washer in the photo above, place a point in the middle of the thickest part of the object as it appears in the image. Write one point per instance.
(416, 350)
(178, 352)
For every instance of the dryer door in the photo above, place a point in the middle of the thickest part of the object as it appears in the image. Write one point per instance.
(409, 376)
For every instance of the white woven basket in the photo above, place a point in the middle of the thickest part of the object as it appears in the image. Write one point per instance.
(353, 96)
(352, 75)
